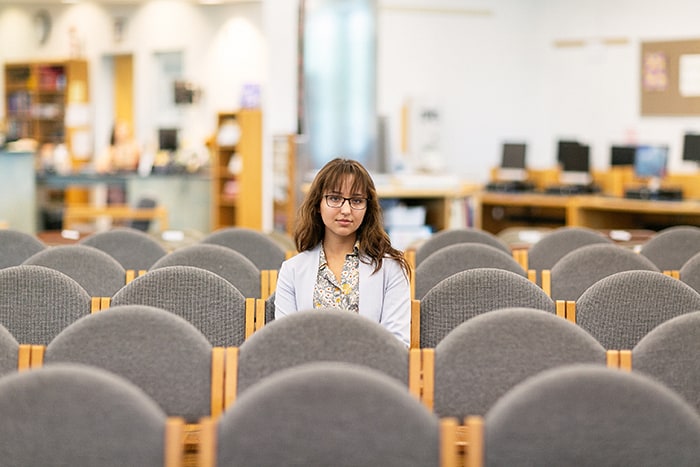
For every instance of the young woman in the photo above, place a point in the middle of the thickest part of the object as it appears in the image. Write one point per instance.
(345, 258)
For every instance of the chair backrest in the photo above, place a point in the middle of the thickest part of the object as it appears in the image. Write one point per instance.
(36, 302)
(690, 272)
(79, 416)
(460, 257)
(470, 293)
(591, 416)
(257, 246)
(208, 301)
(327, 413)
(669, 353)
(554, 245)
(161, 353)
(447, 237)
(135, 250)
(227, 263)
(669, 249)
(9, 352)
(96, 271)
(270, 308)
(581, 268)
(486, 356)
(622, 308)
(320, 335)
(16, 246)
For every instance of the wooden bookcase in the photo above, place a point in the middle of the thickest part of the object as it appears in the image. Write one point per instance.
(237, 195)
(38, 96)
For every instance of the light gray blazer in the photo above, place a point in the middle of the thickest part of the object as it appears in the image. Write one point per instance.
(385, 296)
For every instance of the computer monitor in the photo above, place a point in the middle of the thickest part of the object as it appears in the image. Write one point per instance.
(167, 139)
(575, 165)
(650, 164)
(513, 162)
(691, 147)
(565, 148)
(622, 155)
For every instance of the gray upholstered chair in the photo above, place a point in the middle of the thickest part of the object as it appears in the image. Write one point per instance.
(585, 415)
(670, 248)
(9, 352)
(270, 308)
(257, 246)
(669, 353)
(470, 293)
(584, 266)
(325, 413)
(208, 301)
(135, 250)
(161, 353)
(82, 416)
(460, 257)
(620, 309)
(16, 246)
(544, 253)
(36, 302)
(484, 357)
(227, 263)
(96, 271)
(451, 236)
(690, 272)
(320, 335)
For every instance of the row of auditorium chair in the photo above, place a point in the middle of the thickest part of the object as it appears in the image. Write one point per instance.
(506, 388)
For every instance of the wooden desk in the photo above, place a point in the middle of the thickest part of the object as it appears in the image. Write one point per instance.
(601, 212)
(494, 212)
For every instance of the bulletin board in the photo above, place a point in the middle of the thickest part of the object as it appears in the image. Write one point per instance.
(670, 78)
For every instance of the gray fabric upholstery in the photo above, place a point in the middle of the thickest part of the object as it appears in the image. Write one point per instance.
(447, 237)
(9, 348)
(460, 257)
(320, 335)
(270, 308)
(470, 293)
(159, 352)
(96, 271)
(553, 246)
(227, 263)
(669, 249)
(484, 357)
(323, 414)
(670, 353)
(78, 416)
(262, 250)
(36, 302)
(132, 248)
(690, 272)
(584, 415)
(208, 301)
(622, 308)
(583, 267)
(16, 246)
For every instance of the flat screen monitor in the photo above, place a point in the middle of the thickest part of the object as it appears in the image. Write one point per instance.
(566, 148)
(575, 168)
(513, 156)
(622, 155)
(691, 147)
(167, 139)
(650, 161)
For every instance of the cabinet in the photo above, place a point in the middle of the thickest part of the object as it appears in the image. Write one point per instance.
(237, 170)
(46, 101)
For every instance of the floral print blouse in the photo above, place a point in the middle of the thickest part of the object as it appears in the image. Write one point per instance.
(343, 295)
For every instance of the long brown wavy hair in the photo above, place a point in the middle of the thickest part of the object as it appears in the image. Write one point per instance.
(373, 239)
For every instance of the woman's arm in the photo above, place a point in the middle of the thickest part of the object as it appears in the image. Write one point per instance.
(396, 311)
(285, 295)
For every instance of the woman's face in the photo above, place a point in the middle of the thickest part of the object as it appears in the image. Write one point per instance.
(342, 222)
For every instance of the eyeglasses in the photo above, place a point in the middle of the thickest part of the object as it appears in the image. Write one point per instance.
(335, 201)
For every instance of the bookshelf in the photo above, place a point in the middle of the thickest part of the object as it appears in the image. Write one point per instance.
(237, 170)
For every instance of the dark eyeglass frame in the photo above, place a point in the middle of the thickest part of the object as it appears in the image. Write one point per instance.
(349, 200)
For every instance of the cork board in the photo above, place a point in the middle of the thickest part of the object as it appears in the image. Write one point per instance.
(670, 78)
